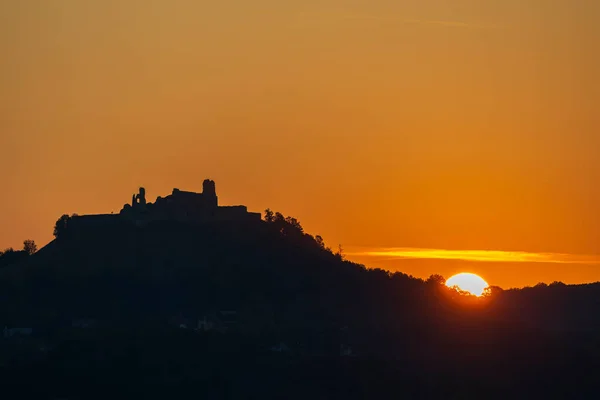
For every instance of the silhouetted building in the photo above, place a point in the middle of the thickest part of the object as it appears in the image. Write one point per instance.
(181, 206)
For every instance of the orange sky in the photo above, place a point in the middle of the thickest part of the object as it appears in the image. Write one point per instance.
(435, 124)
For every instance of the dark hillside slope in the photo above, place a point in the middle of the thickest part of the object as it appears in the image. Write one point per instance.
(269, 273)
(286, 286)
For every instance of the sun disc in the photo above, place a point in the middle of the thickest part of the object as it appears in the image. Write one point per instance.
(468, 282)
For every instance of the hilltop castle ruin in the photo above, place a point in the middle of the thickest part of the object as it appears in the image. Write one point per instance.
(180, 206)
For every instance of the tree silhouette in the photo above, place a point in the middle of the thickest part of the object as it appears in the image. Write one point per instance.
(61, 225)
(320, 241)
(340, 253)
(492, 291)
(29, 247)
(11, 256)
(269, 215)
(7, 250)
(278, 217)
(436, 279)
(295, 224)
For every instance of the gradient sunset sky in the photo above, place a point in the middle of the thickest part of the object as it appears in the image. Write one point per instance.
(407, 131)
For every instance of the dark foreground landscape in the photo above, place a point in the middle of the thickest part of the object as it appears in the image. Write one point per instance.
(261, 309)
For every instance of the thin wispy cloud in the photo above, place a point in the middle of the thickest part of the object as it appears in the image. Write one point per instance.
(480, 256)
(323, 17)
(453, 24)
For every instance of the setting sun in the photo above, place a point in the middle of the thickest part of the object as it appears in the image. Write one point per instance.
(468, 282)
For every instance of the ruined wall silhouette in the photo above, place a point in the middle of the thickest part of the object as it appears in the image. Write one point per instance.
(180, 206)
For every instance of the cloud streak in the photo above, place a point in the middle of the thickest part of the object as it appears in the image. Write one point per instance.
(454, 24)
(358, 17)
(480, 256)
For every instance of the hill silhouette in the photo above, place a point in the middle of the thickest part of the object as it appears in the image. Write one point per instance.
(303, 321)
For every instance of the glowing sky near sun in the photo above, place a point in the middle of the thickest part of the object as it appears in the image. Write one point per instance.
(431, 124)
